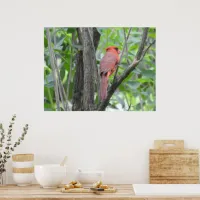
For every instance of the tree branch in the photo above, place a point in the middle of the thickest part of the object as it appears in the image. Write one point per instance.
(52, 61)
(61, 89)
(139, 56)
(60, 86)
(125, 43)
(142, 44)
(70, 71)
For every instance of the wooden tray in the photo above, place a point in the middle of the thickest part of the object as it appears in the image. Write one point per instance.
(87, 190)
(170, 163)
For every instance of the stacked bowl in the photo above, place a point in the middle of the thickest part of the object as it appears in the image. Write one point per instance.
(23, 169)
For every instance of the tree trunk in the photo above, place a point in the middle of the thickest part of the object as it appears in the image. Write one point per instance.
(89, 60)
(84, 88)
(96, 38)
(77, 102)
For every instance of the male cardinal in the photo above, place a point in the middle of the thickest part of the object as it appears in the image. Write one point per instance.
(108, 65)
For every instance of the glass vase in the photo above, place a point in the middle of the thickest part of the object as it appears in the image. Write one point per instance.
(2, 178)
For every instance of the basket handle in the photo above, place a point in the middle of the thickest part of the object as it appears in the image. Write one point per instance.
(169, 144)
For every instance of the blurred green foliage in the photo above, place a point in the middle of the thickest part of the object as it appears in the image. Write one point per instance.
(136, 93)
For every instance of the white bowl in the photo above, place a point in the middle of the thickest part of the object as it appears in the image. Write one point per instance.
(50, 176)
(89, 176)
(23, 179)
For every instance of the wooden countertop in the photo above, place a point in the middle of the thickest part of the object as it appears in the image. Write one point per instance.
(34, 192)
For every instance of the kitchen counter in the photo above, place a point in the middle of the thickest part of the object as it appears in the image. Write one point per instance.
(34, 192)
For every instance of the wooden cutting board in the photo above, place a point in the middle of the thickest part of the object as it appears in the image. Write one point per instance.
(170, 163)
(87, 190)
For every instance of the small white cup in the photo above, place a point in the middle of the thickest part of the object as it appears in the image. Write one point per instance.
(89, 176)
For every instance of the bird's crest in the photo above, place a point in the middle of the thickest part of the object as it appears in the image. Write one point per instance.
(113, 48)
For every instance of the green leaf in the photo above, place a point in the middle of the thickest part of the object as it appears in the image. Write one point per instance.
(149, 73)
(134, 84)
(122, 87)
(152, 35)
(134, 40)
(144, 80)
(47, 107)
(79, 47)
(49, 85)
(71, 30)
(62, 73)
(45, 42)
(121, 101)
(58, 48)
(49, 81)
(59, 43)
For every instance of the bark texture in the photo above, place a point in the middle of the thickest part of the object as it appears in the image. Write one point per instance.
(96, 38)
(77, 102)
(89, 60)
(84, 88)
(78, 84)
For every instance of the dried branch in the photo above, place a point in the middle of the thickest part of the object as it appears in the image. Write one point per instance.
(6, 149)
(2, 137)
(139, 56)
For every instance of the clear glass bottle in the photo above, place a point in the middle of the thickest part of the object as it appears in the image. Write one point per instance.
(3, 178)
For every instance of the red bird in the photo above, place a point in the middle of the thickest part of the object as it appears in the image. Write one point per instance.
(108, 65)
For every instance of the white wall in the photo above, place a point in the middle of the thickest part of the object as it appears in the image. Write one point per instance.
(117, 143)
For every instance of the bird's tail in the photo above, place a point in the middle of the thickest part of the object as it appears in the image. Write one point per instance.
(104, 86)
